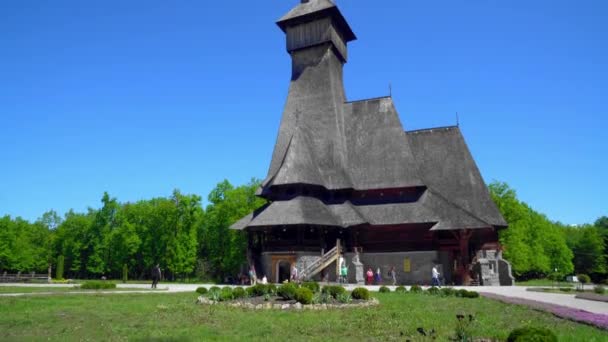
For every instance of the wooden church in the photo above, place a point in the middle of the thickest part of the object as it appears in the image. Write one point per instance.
(346, 178)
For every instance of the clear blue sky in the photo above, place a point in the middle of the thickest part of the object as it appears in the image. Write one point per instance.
(140, 97)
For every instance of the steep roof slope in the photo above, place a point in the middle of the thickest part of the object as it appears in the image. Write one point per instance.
(449, 170)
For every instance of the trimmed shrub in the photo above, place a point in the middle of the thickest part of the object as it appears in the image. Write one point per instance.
(202, 290)
(447, 292)
(239, 292)
(59, 270)
(287, 291)
(304, 295)
(258, 290)
(532, 334)
(599, 289)
(565, 289)
(214, 289)
(400, 289)
(97, 285)
(271, 289)
(583, 278)
(312, 286)
(471, 294)
(433, 290)
(334, 291)
(416, 289)
(226, 294)
(461, 293)
(360, 293)
(384, 289)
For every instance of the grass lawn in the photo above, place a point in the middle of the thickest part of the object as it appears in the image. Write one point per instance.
(176, 317)
(24, 289)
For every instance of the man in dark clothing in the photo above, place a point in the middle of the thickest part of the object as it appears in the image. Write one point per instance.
(155, 275)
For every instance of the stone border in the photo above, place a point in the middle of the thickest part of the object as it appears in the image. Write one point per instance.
(592, 296)
(286, 306)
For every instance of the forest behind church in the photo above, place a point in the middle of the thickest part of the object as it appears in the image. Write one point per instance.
(194, 242)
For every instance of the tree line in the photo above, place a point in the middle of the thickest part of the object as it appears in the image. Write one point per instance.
(176, 232)
(538, 247)
(189, 241)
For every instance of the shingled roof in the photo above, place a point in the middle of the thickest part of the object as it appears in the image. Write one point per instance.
(325, 142)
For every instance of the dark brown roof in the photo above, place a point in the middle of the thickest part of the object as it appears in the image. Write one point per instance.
(307, 11)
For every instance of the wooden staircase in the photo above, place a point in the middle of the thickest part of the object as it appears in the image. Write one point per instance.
(321, 263)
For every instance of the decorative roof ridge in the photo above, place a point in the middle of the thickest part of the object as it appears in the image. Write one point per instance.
(429, 130)
(370, 99)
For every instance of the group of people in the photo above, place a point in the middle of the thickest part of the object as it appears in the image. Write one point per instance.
(372, 278)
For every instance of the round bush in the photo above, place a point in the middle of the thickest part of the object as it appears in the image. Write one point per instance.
(447, 292)
(226, 294)
(531, 334)
(400, 289)
(287, 291)
(416, 289)
(384, 289)
(214, 289)
(360, 293)
(333, 291)
(202, 290)
(304, 295)
(471, 294)
(312, 286)
(257, 290)
(433, 290)
(583, 278)
(239, 292)
(461, 293)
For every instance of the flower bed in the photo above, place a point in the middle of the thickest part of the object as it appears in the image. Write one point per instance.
(597, 320)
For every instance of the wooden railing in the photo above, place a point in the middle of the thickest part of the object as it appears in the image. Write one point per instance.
(321, 263)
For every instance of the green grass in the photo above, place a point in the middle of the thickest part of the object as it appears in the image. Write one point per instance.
(42, 289)
(176, 317)
(543, 282)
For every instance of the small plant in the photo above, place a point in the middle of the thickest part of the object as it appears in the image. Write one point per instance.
(334, 291)
(360, 293)
(400, 289)
(266, 297)
(271, 289)
(599, 289)
(384, 289)
(226, 294)
(430, 334)
(532, 334)
(239, 292)
(344, 298)
(202, 290)
(214, 295)
(415, 289)
(464, 327)
(433, 290)
(304, 295)
(97, 285)
(312, 286)
(287, 291)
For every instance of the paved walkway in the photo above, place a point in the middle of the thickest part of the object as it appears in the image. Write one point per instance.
(566, 300)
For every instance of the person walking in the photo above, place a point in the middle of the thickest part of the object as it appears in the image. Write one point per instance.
(294, 273)
(435, 275)
(252, 276)
(156, 275)
(370, 276)
(378, 276)
(393, 274)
